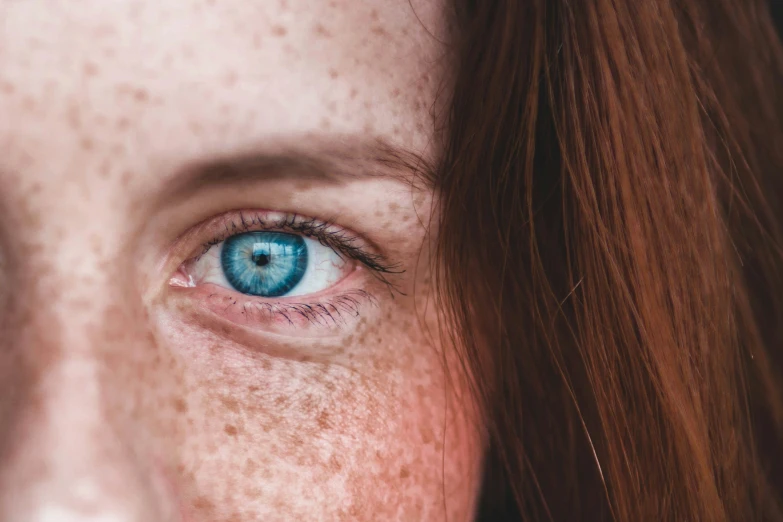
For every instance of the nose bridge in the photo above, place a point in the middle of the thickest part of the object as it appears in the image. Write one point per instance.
(67, 449)
(64, 461)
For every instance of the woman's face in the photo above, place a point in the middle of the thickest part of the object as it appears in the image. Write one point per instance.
(215, 300)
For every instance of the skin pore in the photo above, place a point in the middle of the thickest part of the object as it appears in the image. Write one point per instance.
(138, 135)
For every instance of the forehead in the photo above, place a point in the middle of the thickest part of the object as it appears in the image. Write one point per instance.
(174, 77)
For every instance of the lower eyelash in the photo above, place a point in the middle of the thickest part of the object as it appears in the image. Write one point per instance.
(333, 312)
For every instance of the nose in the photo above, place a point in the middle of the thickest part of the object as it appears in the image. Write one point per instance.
(65, 453)
(64, 463)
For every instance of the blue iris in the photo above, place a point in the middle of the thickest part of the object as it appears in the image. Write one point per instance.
(265, 264)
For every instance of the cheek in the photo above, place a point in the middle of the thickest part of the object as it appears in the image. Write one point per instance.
(377, 437)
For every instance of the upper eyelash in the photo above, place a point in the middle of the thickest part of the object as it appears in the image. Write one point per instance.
(339, 240)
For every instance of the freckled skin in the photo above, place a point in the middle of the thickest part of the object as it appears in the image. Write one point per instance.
(113, 406)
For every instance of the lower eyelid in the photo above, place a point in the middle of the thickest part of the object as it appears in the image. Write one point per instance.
(330, 314)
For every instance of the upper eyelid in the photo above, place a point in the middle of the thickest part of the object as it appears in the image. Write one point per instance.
(334, 236)
(249, 224)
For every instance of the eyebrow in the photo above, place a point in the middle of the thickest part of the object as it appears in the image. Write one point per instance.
(333, 163)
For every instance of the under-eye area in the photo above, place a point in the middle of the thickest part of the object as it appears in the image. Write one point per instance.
(281, 272)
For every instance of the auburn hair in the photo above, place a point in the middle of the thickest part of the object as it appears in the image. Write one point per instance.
(610, 253)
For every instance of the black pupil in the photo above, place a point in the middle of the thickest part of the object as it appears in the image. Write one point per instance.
(261, 259)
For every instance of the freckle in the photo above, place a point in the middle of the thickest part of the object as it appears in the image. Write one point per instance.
(29, 103)
(180, 406)
(87, 143)
(333, 73)
(353, 93)
(126, 178)
(279, 30)
(123, 123)
(230, 430)
(250, 467)
(196, 128)
(7, 87)
(253, 389)
(323, 420)
(74, 116)
(96, 244)
(404, 472)
(322, 31)
(231, 79)
(374, 14)
(426, 434)
(335, 464)
(251, 492)
(103, 31)
(141, 95)
(325, 124)
(377, 29)
(90, 69)
(231, 404)
(203, 504)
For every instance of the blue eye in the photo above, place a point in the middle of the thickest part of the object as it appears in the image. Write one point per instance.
(270, 264)
(264, 264)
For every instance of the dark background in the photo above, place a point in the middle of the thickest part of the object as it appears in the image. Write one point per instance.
(776, 8)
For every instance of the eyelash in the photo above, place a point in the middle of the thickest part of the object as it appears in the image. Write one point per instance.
(330, 311)
(327, 234)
